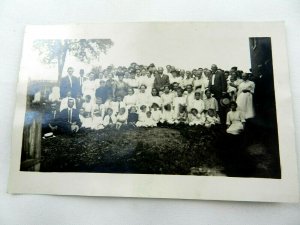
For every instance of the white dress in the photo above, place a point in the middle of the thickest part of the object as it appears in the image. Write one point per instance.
(198, 119)
(167, 99)
(168, 116)
(177, 102)
(98, 115)
(211, 120)
(89, 88)
(154, 99)
(141, 120)
(130, 100)
(156, 115)
(245, 100)
(196, 104)
(235, 120)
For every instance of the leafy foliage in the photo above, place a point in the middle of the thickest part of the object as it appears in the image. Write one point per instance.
(55, 51)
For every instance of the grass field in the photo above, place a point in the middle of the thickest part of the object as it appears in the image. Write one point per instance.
(162, 150)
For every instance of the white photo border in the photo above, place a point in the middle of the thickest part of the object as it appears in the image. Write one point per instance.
(164, 186)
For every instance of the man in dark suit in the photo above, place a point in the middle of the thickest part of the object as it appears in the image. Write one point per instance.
(68, 121)
(102, 91)
(69, 83)
(81, 79)
(218, 87)
(217, 83)
(50, 119)
(161, 79)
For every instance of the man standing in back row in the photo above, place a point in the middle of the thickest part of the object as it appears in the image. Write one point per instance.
(160, 79)
(217, 83)
(69, 83)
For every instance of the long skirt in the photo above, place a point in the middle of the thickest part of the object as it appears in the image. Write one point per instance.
(235, 128)
(245, 104)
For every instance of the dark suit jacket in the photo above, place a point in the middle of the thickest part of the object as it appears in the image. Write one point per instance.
(49, 118)
(160, 81)
(102, 92)
(65, 86)
(63, 118)
(219, 85)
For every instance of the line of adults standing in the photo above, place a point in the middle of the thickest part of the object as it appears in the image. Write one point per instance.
(217, 83)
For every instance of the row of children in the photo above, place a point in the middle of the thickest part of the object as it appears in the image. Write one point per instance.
(148, 118)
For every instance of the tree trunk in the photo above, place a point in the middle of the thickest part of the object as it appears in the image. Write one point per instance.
(61, 58)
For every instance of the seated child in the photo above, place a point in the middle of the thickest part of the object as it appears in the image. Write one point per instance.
(179, 100)
(181, 115)
(83, 119)
(110, 119)
(79, 101)
(87, 106)
(142, 116)
(121, 118)
(149, 121)
(197, 103)
(132, 116)
(118, 104)
(235, 120)
(156, 113)
(98, 114)
(168, 114)
(195, 118)
(211, 118)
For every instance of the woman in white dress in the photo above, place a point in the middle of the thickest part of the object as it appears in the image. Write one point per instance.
(235, 120)
(142, 97)
(89, 87)
(154, 98)
(244, 97)
(130, 99)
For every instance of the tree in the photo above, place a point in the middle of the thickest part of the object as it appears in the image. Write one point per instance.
(56, 51)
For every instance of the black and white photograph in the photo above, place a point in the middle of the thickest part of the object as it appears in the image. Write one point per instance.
(151, 99)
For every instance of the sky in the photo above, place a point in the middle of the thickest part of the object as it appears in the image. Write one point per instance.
(185, 47)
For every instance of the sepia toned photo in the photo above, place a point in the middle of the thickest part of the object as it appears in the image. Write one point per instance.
(162, 99)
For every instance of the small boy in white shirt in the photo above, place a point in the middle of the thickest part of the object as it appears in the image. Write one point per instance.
(121, 118)
(110, 119)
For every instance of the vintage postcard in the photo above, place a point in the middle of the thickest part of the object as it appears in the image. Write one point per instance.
(183, 110)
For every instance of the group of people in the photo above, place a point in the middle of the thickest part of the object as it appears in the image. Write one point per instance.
(146, 96)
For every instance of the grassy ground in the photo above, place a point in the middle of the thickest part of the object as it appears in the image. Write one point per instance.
(161, 150)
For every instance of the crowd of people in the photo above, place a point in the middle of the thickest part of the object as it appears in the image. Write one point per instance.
(147, 96)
